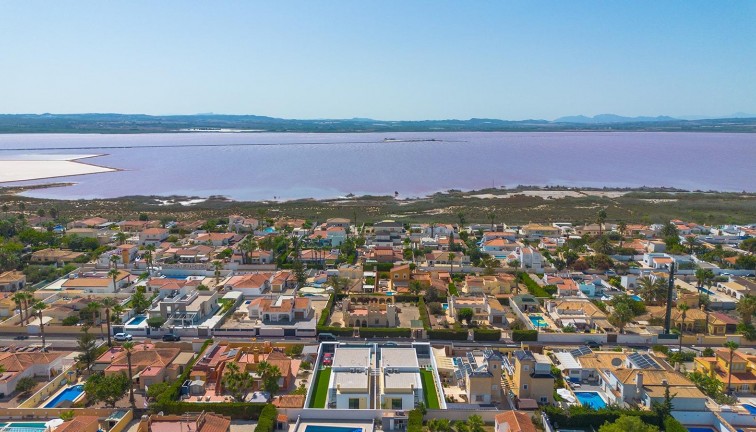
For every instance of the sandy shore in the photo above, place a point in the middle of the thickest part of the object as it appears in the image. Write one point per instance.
(36, 167)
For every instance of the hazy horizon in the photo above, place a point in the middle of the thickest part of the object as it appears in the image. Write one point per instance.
(382, 60)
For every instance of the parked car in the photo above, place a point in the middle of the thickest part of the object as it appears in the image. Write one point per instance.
(592, 344)
(326, 337)
(21, 337)
(170, 337)
(123, 337)
(327, 359)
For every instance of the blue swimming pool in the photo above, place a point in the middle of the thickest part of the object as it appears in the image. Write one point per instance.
(750, 408)
(637, 298)
(314, 428)
(591, 399)
(702, 289)
(445, 306)
(69, 394)
(136, 320)
(23, 426)
(700, 429)
(538, 321)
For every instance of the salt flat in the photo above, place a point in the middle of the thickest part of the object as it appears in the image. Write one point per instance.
(46, 166)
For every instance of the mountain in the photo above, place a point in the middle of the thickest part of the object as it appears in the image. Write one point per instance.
(611, 118)
(142, 123)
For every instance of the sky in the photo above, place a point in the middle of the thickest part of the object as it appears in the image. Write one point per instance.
(393, 60)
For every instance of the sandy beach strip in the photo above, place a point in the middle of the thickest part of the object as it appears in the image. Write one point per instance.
(25, 167)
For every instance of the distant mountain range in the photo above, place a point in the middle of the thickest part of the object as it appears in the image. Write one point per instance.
(142, 123)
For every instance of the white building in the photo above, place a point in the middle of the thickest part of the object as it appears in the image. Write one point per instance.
(349, 387)
(400, 379)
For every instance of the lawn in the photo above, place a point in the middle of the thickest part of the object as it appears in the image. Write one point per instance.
(321, 388)
(429, 389)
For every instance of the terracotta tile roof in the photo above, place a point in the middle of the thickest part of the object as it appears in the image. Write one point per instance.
(254, 280)
(215, 423)
(78, 424)
(517, 421)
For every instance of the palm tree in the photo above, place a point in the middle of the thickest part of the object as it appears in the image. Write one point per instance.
(622, 228)
(452, 255)
(18, 298)
(39, 307)
(600, 219)
(28, 298)
(683, 314)
(94, 309)
(703, 275)
(218, 266)
(128, 347)
(461, 217)
(439, 425)
(650, 289)
(108, 303)
(475, 423)
(746, 307)
(113, 273)
(492, 218)
(148, 260)
(114, 260)
(732, 346)
(121, 237)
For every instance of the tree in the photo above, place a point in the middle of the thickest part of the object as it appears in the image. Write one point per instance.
(269, 375)
(492, 218)
(299, 272)
(732, 346)
(129, 347)
(746, 307)
(415, 287)
(26, 385)
(39, 307)
(452, 255)
(749, 245)
(475, 423)
(106, 388)
(87, 347)
(121, 237)
(628, 423)
(109, 303)
(704, 276)
(622, 229)
(94, 309)
(18, 298)
(621, 316)
(683, 314)
(155, 321)
(114, 260)
(692, 242)
(237, 382)
(600, 219)
(465, 314)
(139, 301)
(461, 218)
(217, 267)
(652, 290)
(439, 425)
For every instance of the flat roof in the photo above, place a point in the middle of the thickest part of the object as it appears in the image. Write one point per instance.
(351, 358)
(351, 380)
(402, 380)
(399, 357)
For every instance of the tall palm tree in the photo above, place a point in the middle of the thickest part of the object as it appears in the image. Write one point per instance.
(114, 260)
(692, 242)
(121, 237)
(128, 347)
(439, 425)
(683, 314)
(217, 266)
(113, 273)
(28, 299)
(39, 307)
(94, 309)
(148, 260)
(18, 298)
(452, 255)
(648, 288)
(600, 219)
(109, 303)
(746, 307)
(622, 228)
(732, 346)
(492, 218)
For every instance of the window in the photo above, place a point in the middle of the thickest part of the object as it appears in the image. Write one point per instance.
(354, 403)
(526, 368)
(396, 404)
(544, 399)
(478, 398)
(524, 386)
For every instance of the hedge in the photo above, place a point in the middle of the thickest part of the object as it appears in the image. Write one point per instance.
(267, 419)
(447, 334)
(582, 417)
(486, 334)
(337, 331)
(326, 312)
(524, 335)
(415, 421)
(672, 425)
(535, 289)
(409, 298)
(453, 289)
(370, 332)
(424, 314)
(168, 400)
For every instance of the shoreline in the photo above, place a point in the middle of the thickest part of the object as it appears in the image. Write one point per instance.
(36, 169)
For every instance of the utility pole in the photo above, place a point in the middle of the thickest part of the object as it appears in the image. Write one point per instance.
(670, 290)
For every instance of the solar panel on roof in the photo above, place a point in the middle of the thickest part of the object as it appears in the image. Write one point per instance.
(643, 361)
(583, 350)
(459, 374)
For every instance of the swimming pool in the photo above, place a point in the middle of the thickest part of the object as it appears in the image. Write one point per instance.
(445, 306)
(702, 289)
(136, 320)
(23, 426)
(69, 394)
(538, 321)
(636, 298)
(750, 408)
(700, 429)
(591, 399)
(314, 428)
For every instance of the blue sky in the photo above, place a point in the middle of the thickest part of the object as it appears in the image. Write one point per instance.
(379, 59)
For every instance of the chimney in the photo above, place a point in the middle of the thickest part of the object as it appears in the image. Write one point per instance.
(639, 380)
(257, 355)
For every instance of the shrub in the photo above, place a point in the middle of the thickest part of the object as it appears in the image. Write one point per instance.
(370, 332)
(435, 308)
(415, 421)
(583, 417)
(535, 289)
(672, 425)
(25, 385)
(447, 334)
(294, 350)
(453, 289)
(323, 320)
(266, 421)
(486, 334)
(70, 320)
(524, 335)
(424, 314)
(337, 331)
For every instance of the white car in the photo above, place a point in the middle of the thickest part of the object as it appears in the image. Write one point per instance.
(123, 337)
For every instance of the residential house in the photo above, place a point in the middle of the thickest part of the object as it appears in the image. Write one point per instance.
(283, 280)
(647, 386)
(529, 258)
(281, 309)
(743, 368)
(513, 421)
(499, 284)
(338, 223)
(97, 282)
(442, 258)
(536, 231)
(202, 422)
(578, 313)
(80, 423)
(591, 229)
(369, 312)
(153, 236)
(185, 309)
(399, 277)
(483, 381)
(94, 222)
(54, 256)
(400, 382)
(253, 284)
(486, 310)
(17, 365)
(134, 226)
(532, 378)
(12, 281)
(239, 224)
(217, 239)
(349, 386)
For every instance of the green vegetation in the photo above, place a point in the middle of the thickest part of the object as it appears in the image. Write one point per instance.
(415, 421)
(447, 334)
(429, 389)
(106, 388)
(626, 423)
(266, 422)
(322, 377)
(480, 334)
(389, 332)
(524, 335)
(535, 289)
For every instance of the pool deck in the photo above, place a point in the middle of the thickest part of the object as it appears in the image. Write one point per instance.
(60, 390)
